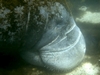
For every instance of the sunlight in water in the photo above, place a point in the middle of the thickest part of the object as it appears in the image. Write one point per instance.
(90, 69)
(86, 68)
(90, 17)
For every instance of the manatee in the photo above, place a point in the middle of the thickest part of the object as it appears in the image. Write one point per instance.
(53, 40)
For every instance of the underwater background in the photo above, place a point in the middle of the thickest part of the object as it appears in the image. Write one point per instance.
(86, 14)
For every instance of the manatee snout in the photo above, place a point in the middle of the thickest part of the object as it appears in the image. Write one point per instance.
(61, 46)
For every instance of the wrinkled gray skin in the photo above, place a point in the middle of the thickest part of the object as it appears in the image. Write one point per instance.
(61, 46)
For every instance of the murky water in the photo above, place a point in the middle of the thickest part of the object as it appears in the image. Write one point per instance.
(86, 14)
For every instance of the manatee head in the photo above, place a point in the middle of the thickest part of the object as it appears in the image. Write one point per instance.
(53, 40)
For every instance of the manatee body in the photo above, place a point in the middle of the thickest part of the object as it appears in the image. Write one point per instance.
(59, 45)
